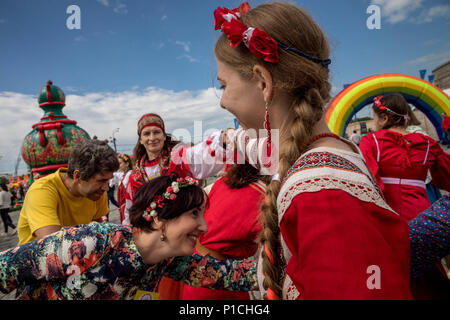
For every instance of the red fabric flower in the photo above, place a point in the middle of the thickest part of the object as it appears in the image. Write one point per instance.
(220, 12)
(244, 8)
(378, 104)
(263, 46)
(234, 31)
(259, 43)
(218, 17)
(159, 200)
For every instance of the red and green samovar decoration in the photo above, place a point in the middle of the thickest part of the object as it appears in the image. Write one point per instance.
(47, 147)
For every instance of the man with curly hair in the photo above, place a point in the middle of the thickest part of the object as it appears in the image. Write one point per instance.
(70, 196)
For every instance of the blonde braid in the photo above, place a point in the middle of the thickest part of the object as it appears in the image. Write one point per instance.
(304, 80)
(306, 116)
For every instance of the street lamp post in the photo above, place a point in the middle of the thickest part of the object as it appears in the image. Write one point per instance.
(114, 139)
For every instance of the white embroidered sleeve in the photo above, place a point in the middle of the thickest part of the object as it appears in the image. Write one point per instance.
(204, 159)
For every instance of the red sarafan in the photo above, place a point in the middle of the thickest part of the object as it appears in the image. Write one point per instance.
(400, 163)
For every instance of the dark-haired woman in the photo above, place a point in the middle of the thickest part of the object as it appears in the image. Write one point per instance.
(233, 224)
(400, 160)
(155, 154)
(110, 261)
(125, 168)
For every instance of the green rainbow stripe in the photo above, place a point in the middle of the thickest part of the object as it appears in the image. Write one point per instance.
(351, 98)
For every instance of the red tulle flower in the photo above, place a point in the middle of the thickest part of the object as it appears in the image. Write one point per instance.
(234, 31)
(257, 41)
(263, 46)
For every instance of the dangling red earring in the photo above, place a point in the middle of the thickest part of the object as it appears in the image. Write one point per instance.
(269, 137)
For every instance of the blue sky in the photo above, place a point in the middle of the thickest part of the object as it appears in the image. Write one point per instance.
(132, 57)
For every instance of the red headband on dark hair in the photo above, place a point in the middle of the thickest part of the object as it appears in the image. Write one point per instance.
(382, 107)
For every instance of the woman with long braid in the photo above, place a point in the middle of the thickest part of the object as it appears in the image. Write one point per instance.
(328, 233)
(400, 160)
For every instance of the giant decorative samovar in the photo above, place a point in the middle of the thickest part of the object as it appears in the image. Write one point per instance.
(47, 147)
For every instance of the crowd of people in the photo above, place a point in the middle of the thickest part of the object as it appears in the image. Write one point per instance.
(310, 216)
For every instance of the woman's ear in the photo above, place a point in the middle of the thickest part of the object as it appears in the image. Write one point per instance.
(383, 120)
(159, 223)
(264, 81)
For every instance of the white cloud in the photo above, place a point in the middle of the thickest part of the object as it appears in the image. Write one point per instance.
(186, 45)
(188, 57)
(431, 42)
(397, 10)
(410, 10)
(164, 17)
(431, 59)
(100, 113)
(335, 90)
(3, 20)
(434, 12)
(104, 2)
(120, 8)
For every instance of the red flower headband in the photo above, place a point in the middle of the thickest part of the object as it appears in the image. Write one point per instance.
(170, 194)
(382, 107)
(256, 40)
(378, 104)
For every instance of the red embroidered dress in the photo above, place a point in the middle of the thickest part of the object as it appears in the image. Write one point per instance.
(121, 194)
(336, 229)
(400, 164)
(233, 228)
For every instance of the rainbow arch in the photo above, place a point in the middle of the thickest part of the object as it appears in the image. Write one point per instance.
(428, 98)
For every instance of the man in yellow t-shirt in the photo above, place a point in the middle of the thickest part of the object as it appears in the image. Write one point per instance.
(76, 195)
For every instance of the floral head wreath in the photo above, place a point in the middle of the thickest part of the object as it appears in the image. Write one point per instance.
(256, 40)
(159, 201)
(382, 107)
(124, 157)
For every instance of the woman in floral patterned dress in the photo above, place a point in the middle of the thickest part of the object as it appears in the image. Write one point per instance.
(109, 261)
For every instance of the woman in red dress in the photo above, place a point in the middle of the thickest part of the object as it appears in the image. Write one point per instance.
(328, 233)
(233, 224)
(400, 160)
(126, 167)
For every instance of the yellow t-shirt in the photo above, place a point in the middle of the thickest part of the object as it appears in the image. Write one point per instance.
(48, 202)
